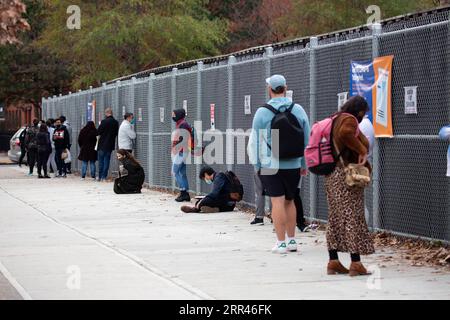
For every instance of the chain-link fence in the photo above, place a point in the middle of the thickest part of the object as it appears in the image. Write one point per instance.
(410, 194)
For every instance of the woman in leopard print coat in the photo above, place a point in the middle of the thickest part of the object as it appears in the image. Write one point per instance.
(347, 228)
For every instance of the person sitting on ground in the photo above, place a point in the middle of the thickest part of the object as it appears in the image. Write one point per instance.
(218, 200)
(131, 174)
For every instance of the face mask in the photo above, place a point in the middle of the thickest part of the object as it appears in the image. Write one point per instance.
(133, 121)
(174, 119)
(208, 181)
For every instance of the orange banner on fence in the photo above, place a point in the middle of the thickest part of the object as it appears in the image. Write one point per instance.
(382, 97)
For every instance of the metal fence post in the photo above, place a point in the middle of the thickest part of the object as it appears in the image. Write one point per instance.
(151, 154)
(376, 32)
(174, 106)
(268, 55)
(314, 43)
(132, 96)
(199, 160)
(229, 137)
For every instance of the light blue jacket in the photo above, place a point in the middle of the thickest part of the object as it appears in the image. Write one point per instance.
(259, 154)
(444, 134)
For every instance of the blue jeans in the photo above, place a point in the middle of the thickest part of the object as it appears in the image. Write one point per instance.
(104, 157)
(179, 171)
(84, 167)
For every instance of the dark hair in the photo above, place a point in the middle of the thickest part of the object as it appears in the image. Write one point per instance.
(128, 156)
(43, 128)
(58, 119)
(35, 122)
(355, 105)
(50, 122)
(206, 170)
(127, 115)
(63, 119)
(278, 90)
(90, 125)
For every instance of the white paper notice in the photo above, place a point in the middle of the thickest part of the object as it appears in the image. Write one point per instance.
(124, 110)
(185, 106)
(161, 114)
(342, 99)
(140, 114)
(410, 100)
(290, 95)
(382, 97)
(248, 105)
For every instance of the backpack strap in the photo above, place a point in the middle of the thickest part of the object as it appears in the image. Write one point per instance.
(268, 106)
(291, 107)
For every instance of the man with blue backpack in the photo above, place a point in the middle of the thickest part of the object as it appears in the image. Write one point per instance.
(280, 133)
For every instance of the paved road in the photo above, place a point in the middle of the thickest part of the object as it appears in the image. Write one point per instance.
(69, 239)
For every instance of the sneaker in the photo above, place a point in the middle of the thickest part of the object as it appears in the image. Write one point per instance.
(64, 176)
(47, 177)
(258, 222)
(280, 249)
(40, 176)
(183, 197)
(82, 179)
(292, 246)
(29, 174)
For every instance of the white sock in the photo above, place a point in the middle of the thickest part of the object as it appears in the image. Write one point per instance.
(290, 239)
(279, 243)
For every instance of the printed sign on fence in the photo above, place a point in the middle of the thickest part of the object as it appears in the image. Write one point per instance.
(2, 112)
(124, 110)
(290, 95)
(91, 111)
(373, 81)
(342, 99)
(161, 115)
(213, 116)
(185, 106)
(247, 105)
(140, 114)
(410, 100)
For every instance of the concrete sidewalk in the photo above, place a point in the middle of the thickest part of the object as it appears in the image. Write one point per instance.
(60, 233)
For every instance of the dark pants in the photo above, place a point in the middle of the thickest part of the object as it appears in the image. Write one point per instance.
(122, 187)
(223, 207)
(23, 152)
(104, 158)
(299, 206)
(60, 162)
(42, 162)
(32, 157)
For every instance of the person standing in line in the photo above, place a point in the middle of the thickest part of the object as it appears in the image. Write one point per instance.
(51, 162)
(180, 150)
(347, 229)
(44, 149)
(87, 140)
(280, 174)
(444, 135)
(108, 130)
(127, 133)
(23, 149)
(31, 145)
(69, 130)
(61, 140)
(260, 200)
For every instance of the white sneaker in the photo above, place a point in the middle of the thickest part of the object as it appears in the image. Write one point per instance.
(292, 246)
(280, 249)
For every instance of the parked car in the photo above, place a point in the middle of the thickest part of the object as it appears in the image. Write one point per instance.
(14, 147)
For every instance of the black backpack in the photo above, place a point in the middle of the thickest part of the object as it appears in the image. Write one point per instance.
(291, 134)
(236, 187)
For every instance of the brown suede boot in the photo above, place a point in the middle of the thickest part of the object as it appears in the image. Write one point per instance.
(357, 269)
(189, 209)
(335, 267)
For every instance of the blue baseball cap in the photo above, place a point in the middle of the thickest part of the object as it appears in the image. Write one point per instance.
(276, 81)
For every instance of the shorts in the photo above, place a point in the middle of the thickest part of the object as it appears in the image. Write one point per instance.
(283, 183)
